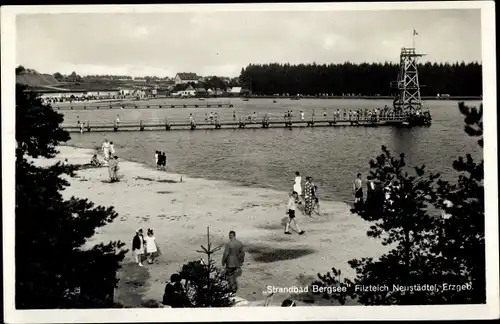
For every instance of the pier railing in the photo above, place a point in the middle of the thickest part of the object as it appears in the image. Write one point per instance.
(215, 122)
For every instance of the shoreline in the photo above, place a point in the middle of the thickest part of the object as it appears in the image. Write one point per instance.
(180, 212)
(229, 182)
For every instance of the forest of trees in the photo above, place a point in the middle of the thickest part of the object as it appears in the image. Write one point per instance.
(458, 79)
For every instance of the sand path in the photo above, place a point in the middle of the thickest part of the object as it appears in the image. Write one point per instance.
(179, 213)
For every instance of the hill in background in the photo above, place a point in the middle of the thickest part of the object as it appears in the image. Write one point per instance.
(34, 79)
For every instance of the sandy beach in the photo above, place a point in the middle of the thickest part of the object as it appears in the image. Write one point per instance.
(179, 212)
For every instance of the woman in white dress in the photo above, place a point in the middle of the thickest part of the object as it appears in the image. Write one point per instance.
(297, 185)
(151, 247)
(105, 149)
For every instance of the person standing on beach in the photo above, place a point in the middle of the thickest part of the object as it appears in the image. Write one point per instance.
(164, 161)
(234, 115)
(370, 188)
(297, 186)
(115, 168)
(105, 149)
(358, 189)
(308, 196)
(232, 260)
(315, 206)
(290, 211)
(160, 160)
(138, 246)
(111, 148)
(118, 119)
(157, 153)
(111, 169)
(211, 117)
(301, 115)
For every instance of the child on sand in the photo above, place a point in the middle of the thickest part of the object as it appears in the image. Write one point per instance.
(95, 161)
(151, 248)
(138, 247)
(290, 211)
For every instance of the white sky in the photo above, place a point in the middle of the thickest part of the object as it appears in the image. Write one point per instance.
(221, 43)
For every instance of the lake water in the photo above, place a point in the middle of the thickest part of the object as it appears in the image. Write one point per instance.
(270, 157)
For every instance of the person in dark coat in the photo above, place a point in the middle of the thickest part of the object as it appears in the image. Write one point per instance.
(138, 247)
(370, 188)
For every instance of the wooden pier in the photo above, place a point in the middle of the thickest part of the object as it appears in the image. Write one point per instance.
(243, 123)
(142, 106)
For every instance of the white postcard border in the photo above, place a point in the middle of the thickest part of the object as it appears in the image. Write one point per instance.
(489, 310)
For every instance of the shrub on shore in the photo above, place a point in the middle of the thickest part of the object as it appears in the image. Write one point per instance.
(428, 250)
(206, 285)
(53, 270)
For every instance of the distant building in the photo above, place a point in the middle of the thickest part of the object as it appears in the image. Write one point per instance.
(218, 92)
(57, 95)
(183, 78)
(235, 90)
(103, 94)
(126, 91)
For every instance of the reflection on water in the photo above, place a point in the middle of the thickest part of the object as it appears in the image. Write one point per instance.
(270, 157)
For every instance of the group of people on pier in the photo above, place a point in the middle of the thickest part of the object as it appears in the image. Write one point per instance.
(354, 116)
